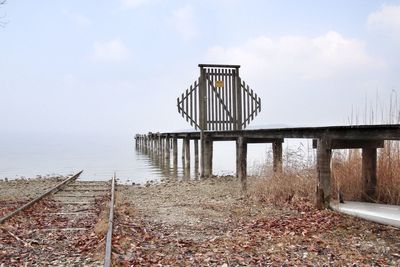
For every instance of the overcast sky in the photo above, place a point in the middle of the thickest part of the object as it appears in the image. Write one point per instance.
(118, 66)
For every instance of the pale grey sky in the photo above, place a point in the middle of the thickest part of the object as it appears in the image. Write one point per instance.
(118, 66)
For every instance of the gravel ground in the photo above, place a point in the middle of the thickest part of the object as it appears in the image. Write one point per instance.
(14, 193)
(211, 223)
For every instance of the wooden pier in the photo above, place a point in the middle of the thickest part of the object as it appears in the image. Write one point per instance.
(366, 137)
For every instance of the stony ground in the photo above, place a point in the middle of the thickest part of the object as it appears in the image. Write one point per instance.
(202, 223)
(211, 223)
(13, 193)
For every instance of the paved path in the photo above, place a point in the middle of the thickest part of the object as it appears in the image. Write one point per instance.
(380, 213)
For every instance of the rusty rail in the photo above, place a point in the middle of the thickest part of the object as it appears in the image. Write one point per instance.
(107, 258)
(30, 203)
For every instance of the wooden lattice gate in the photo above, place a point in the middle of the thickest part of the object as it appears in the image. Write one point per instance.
(219, 100)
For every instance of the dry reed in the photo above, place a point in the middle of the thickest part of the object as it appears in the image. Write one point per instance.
(298, 178)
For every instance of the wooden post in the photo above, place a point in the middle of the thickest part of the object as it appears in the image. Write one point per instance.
(167, 147)
(277, 156)
(175, 152)
(183, 152)
(202, 154)
(242, 161)
(369, 174)
(161, 146)
(196, 157)
(239, 100)
(187, 153)
(208, 156)
(323, 192)
(237, 158)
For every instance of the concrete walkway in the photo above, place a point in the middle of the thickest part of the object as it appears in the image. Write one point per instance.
(380, 213)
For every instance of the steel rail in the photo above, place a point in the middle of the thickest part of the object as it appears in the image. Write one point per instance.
(107, 258)
(30, 203)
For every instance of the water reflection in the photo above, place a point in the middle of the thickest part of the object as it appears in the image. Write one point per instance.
(167, 165)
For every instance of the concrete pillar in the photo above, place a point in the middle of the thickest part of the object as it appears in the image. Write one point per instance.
(186, 144)
(323, 192)
(277, 156)
(241, 161)
(208, 156)
(369, 174)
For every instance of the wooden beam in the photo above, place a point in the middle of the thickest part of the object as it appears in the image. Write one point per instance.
(352, 144)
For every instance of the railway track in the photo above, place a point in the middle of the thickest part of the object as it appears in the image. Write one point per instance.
(69, 225)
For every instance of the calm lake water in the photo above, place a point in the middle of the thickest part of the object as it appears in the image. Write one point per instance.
(100, 156)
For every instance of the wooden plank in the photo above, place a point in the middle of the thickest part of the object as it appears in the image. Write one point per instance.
(191, 106)
(224, 91)
(212, 100)
(75, 202)
(218, 66)
(234, 100)
(202, 100)
(183, 116)
(187, 106)
(248, 105)
(252, 104)
(63, 229)
(208, 103)
(239, 101)
(30, 203)
(217, 103)
(67, 213)
(196, 99)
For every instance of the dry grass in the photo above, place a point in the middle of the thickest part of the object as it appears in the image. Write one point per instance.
(347, 174)
(296, 181)
(299, 176)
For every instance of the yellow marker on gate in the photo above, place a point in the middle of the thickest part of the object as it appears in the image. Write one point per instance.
(219, 83)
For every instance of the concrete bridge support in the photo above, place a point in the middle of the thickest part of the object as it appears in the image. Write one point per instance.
(369, 174)
(241, 161)
(323, 190)
(277, 156)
